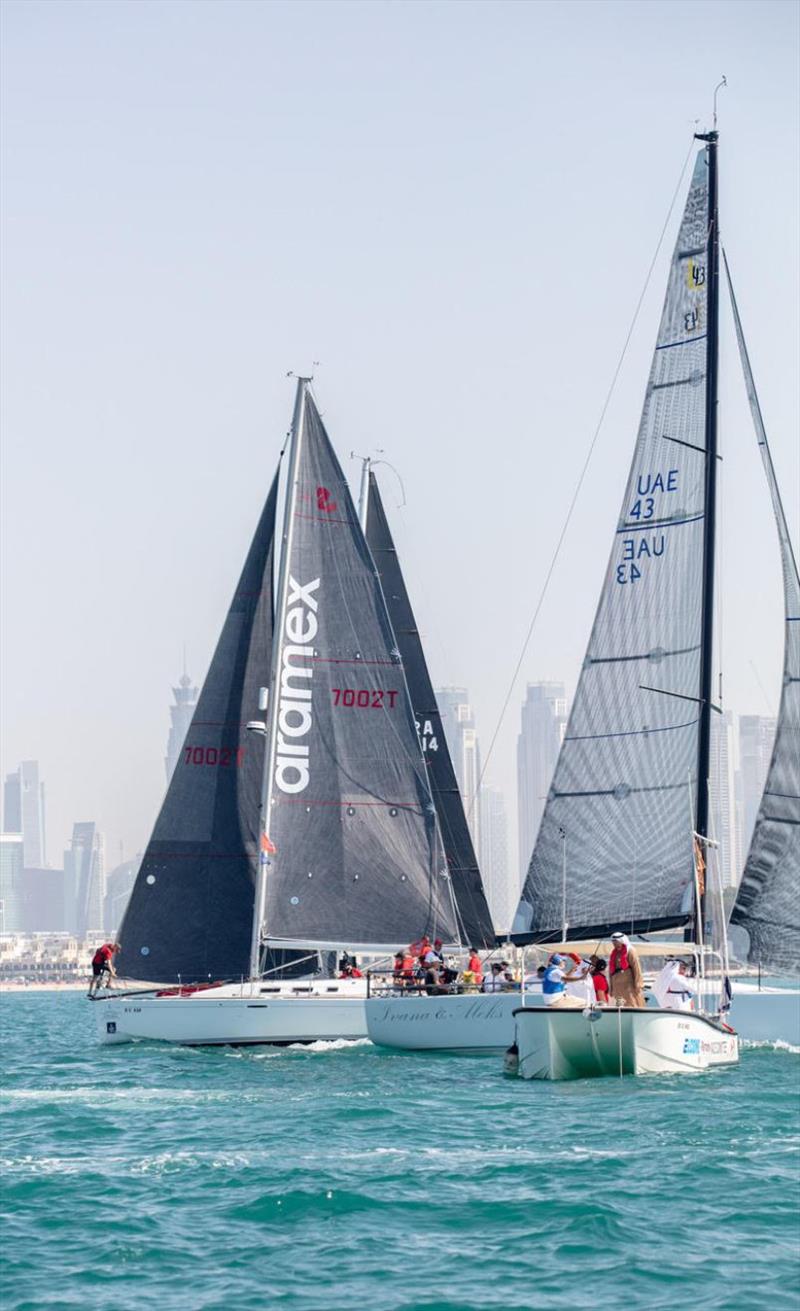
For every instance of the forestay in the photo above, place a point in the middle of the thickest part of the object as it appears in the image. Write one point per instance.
(768, 901)
(474, 916)
(190, 914)
(357, 855)
(614, 847)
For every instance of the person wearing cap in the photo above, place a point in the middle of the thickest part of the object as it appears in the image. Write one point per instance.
(554, 983)
(625, 972)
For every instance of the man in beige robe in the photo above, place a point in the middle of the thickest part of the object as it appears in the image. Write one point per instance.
(625, 973)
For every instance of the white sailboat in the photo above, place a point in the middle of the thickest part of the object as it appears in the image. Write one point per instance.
(313, 830)
(616, 845)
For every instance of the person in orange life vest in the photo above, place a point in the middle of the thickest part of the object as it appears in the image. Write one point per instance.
(598, 969)
(397, 972)
(627, 981)
(407, 968)
(418, 949)
(102, 964)
(475, 966)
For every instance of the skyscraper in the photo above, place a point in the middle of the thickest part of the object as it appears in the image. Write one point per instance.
(119, 886)
(11, 862)
(181, 716)
(494, 858)
(84, 880)
(462, 739)
(544, 718)
(23, 811)
(756, 736)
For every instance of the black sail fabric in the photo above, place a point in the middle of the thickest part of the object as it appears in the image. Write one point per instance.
(357, 856)
(614, 847)
(473, 910)
(768, 901)
(190, 915)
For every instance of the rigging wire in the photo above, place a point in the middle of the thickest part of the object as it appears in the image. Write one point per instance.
(580, 482)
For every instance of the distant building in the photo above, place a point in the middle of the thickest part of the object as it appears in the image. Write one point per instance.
(11, 866)
(459, 726)
(23, 811)
(725, 828)
(756, 736)
(181, 712)
(544, 718)
(43, 909)
(494, 860)
(119, 886)
(84, 881)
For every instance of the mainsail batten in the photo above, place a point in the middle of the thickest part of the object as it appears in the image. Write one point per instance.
(354, 849)
(614, 846)
(190, 914)
(475, 917)
(769, 893)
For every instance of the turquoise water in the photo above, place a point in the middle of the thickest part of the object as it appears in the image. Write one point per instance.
(155, 1177)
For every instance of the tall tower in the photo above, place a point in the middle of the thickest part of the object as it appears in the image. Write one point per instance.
(494, 858)
(756, 736)
(459, 726)
(181, 716)
(10, 882)
(544, 718)
(85, 880)
(23, 812)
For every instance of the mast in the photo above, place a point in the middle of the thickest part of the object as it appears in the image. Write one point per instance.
(709, 523)
(292, 478)
(363, 492)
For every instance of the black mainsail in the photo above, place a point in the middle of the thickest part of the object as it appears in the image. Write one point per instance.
(768, 901)
(474, 914)
(190, 915)
(615, 847)
(353, 854)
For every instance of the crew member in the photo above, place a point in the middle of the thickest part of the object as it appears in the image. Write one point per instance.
(627, 982)
(102, 965)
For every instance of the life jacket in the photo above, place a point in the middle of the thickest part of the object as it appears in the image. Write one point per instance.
(408, 965)
(551, 985)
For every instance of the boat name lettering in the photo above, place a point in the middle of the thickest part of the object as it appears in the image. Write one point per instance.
(221, 756)
(294, 708)
(364, 699)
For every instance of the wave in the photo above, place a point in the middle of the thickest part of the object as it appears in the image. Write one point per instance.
(774, 1045)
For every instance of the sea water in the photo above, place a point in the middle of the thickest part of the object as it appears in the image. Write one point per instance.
(339, 1175)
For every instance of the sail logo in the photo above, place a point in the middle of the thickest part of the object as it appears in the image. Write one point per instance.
(295, 719)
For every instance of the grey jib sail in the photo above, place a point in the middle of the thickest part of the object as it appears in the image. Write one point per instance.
(476, 920)
(768, 901)
(614, 848)
(358, 859)
(191, 910)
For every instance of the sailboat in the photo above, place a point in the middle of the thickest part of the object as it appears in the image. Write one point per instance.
(624, 837)
(306, 832)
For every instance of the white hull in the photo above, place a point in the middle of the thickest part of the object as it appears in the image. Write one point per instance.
(484, 1021)
(766, 1014)
(463, 1022)
(559, 1043)
(236, 1016)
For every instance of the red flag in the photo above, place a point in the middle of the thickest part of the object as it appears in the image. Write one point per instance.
(266, 844)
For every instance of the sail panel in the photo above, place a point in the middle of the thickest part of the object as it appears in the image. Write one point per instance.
(615, 842)
(190, 915)
(357, 854)
(474, 914)
(768, 901)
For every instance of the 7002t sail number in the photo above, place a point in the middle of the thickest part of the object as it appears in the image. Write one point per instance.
(364, 699)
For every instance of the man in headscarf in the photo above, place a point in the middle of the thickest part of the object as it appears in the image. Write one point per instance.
(673, 987)
(625, 973)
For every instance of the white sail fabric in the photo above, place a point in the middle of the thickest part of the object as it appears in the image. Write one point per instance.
(768, 902)
(614, 847)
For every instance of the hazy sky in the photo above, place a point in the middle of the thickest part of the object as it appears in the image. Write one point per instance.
(451, 206)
